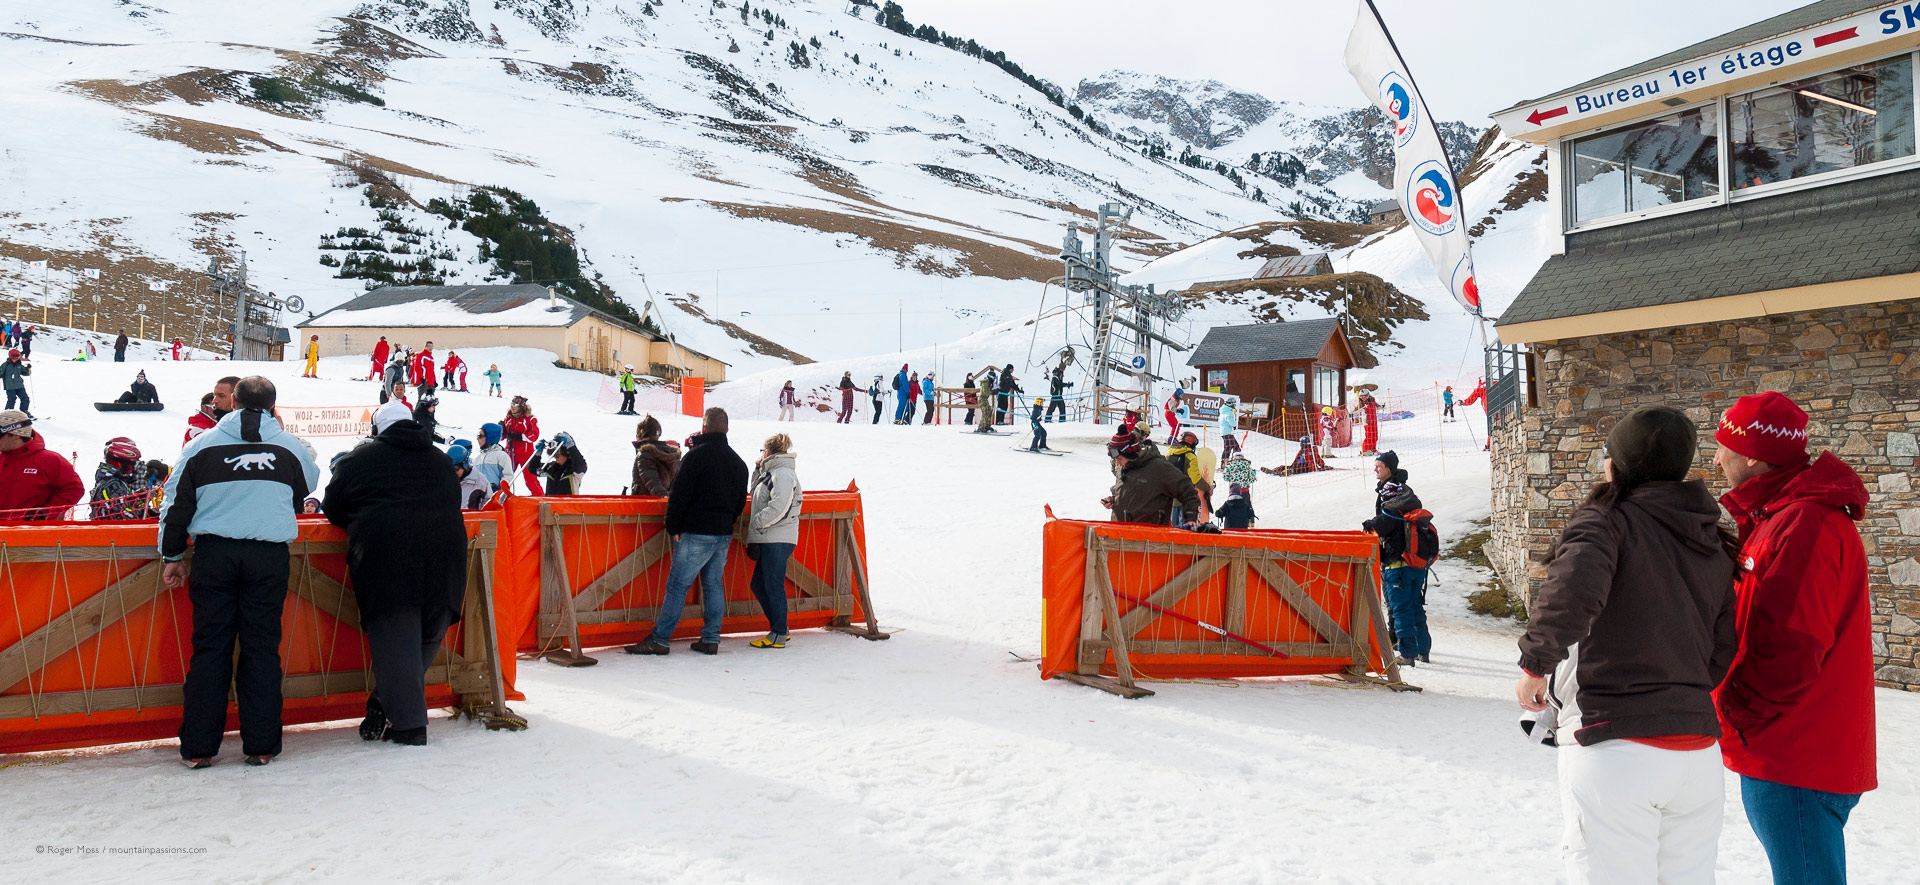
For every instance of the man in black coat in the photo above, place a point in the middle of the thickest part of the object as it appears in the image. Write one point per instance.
(120, 347)
(708, 495)
(399, 500)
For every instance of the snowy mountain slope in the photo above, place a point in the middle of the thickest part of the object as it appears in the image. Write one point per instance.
(803, 201)
(1315, 162)
(1503, 193)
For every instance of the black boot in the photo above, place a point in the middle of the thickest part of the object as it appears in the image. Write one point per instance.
(374, 727)
(646, 647)
(412, 737)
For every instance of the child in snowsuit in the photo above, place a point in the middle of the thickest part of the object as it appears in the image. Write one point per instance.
(493, 379)
(120, 489)
(1237, 511)
(1039, 432)
(567, 468)
(522, 430)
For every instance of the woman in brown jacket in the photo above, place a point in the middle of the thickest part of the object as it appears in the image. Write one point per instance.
(655, 460)
(1630, 632)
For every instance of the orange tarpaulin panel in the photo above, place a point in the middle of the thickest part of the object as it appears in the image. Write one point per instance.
(1302, 594)
(94, 648)
(614, 563)
(693, 397)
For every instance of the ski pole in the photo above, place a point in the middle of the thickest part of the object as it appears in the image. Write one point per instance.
(1202, 625)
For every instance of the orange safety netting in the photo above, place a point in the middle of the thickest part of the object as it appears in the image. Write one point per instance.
(589, 551)
(110, 667)
(1329, 568)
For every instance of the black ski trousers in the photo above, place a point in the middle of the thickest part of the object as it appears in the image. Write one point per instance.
(402, 642)
(626, 401)
(237, 589)
(1057, 404)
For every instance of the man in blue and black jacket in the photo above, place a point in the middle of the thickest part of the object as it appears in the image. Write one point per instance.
(235, 492)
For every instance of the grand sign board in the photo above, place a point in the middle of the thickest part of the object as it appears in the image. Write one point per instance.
(1659, 87)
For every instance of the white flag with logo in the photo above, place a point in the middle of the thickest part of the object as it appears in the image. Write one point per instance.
(37, 265)
(1422, 176)
(91, 273)
(158, 286)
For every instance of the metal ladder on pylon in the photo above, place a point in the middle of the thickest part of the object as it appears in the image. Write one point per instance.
(1103, 338)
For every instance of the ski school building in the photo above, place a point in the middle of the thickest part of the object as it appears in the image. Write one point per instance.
(1733, 217)
(522, 315)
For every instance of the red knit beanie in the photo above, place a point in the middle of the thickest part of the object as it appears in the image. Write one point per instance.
(1765, 427)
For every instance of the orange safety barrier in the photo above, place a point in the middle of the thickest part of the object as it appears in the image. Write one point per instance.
(592, 571)
(1125, 601)
(95, 647)
(693, 396)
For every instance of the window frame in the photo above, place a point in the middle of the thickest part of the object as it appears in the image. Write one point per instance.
(1569, 207)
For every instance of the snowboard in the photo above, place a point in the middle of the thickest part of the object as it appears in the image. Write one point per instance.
(129, 407)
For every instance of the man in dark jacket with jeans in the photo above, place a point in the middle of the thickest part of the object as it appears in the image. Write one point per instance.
(1404, 585)
(709, 493)
(1798, 703)
(399, 500)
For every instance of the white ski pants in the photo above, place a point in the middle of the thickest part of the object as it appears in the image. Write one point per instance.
(1640, 814)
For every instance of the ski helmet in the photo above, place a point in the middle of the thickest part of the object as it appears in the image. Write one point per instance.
(122, 449)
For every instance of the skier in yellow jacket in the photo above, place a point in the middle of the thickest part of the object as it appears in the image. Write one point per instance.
(313, 357)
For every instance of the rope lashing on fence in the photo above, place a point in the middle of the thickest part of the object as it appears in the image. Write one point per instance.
(1218, 631)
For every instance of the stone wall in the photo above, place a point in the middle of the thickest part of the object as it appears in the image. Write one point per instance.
(1856, 370)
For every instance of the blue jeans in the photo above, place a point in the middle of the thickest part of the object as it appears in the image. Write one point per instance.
(770, 584)
(1803, 830)
(1406, 589)
(705, 556)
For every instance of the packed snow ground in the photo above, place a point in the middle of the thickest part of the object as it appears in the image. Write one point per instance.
(938, 756)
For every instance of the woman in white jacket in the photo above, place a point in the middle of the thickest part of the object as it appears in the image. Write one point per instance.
(773, 529)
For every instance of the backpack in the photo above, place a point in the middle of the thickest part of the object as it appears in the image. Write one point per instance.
(1423, 542)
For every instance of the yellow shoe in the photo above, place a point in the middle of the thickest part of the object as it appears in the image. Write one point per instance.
(771, 640)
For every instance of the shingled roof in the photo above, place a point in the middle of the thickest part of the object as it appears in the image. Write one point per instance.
(1785, 23)
(1264, 342)
(1865, 228)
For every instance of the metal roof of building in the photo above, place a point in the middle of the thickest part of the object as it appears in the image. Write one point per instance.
(474, 300)
(1310, 264)
(1383, 206)
(1785, 23)
(1264, 342)
(1867, 227)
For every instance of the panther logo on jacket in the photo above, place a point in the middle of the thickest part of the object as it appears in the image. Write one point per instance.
(255, 461)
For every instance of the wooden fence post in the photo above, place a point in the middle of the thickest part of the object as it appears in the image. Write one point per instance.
(1098, 604)
(556, 593)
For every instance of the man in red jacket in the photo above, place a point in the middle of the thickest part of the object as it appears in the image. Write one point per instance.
(1797, 706)
(35, 483)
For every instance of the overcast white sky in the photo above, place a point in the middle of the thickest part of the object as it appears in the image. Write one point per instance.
(1471, 57)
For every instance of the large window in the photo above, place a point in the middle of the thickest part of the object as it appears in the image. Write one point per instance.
(1659, 162)
(1840, 120)
(1821, 125)
(1326, 387)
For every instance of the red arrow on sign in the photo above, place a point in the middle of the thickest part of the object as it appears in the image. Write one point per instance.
(1835, 37)
(1538, 115)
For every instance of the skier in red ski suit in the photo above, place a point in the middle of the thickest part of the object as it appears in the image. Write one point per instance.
(380, 352)
(1370, 407)
(522, 432)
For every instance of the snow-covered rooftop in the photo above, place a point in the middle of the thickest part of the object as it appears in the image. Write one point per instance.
(456, 306)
